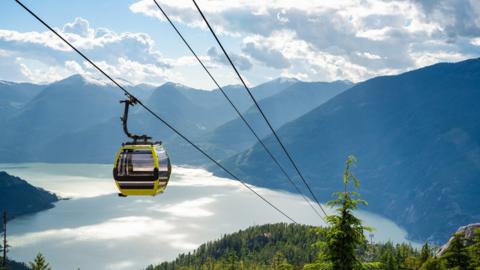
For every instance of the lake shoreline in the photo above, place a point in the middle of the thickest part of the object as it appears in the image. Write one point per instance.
(197, 207)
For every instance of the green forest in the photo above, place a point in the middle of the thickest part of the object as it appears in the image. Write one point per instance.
(290, 246)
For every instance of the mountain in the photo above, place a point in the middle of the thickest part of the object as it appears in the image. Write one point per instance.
(173, 102)
(185, 108)
(257, 247)
(18, 197)
(13, 96)
(273, 87)
(18, 93)
(416, 136)
(241, 98)
(77, 114)
(72, 104)
(197, 112)
(280, 108)
(77, 119)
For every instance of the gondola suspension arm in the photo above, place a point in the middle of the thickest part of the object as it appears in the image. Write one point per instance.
(131, 101)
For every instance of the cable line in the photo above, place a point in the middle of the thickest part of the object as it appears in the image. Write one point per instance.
(238, 112)
(259, 109)
(156, 115)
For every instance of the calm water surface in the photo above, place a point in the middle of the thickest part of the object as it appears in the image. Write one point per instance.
(98, 230)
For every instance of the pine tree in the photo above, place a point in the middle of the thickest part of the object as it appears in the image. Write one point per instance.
(456, 254)
(390, 263)
(231, 260)
(279, 262)
(1, 258)
(346, 232)
(39, 263)
(425, 254)
(433, 264)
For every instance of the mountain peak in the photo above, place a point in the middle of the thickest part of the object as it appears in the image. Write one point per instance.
(283, 79)
(346, 82)
(76, 79)
(79, 79)
(173, 84)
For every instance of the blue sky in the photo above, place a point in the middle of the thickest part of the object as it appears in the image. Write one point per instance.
(310, 40)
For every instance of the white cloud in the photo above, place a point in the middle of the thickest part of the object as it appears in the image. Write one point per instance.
(475, 41)
(241, 61)
(38, 72)
(266, 54)
(80, 27)
(74, 67)
(43, 57)
(455, 18)
(425, 59)
(341, 39)
(313, 40)
(368, 55)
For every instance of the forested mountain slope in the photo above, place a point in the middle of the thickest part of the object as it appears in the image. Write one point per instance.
(18, 197)
(416, 136)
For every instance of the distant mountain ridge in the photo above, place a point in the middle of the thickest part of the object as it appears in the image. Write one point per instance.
(282, 107)
(13, 96)
(417, 138)
(77, 119)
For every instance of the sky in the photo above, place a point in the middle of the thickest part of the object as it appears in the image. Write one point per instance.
(310, 40)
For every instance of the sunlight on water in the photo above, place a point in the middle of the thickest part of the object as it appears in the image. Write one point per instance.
(98, 230)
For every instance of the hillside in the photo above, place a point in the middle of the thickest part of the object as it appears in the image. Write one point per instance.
(13, 265)
(18, 197)
(71, 104)
(417, 138)
(251, 249)
(280, 108)
(288, 247)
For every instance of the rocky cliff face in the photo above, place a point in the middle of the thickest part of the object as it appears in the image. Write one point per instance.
(469, 232)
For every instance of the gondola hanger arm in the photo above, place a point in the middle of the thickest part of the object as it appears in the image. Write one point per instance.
(131, 101)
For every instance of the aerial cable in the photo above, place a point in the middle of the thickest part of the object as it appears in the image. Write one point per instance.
(259, 109)
(155, 114)
(236, 109)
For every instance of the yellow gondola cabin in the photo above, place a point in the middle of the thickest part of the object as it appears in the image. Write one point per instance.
(141, 169)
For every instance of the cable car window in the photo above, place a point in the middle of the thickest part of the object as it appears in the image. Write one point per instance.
(163, 163)
(142, 161)
(122, 164)
(135, 163)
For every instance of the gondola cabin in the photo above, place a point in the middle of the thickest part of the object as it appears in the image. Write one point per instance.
(141, 169)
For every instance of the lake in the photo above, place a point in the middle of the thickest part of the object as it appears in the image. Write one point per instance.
(96, 229)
